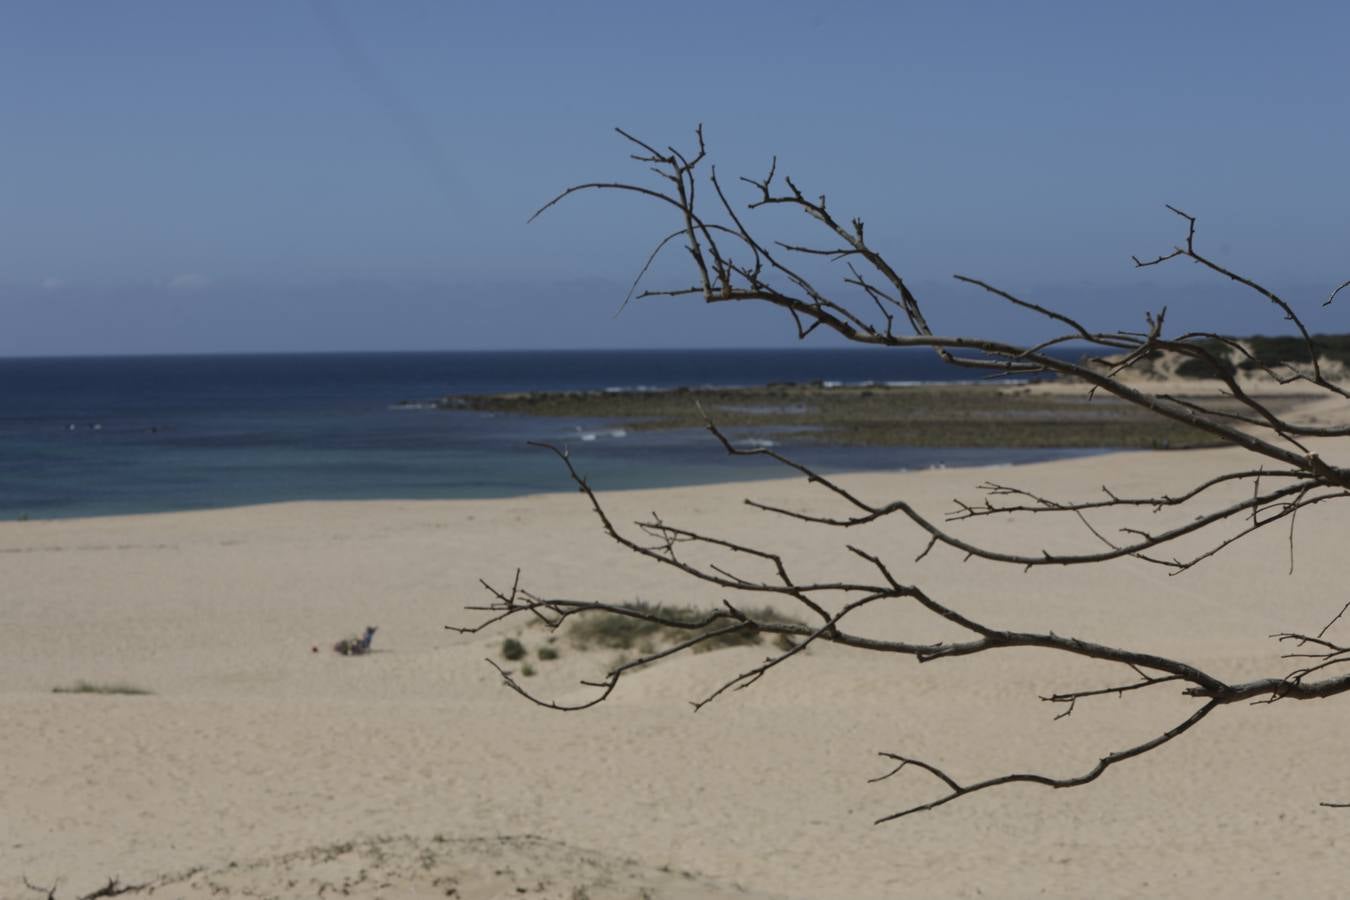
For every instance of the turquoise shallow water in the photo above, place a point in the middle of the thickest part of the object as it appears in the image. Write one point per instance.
(118, 435)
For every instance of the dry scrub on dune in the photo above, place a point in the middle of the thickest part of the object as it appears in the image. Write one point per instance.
(90, 687)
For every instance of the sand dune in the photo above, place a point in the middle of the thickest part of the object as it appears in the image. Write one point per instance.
(438, 867)
(255, 760)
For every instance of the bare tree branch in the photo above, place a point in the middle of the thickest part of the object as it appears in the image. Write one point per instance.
(957, 790)
(1222, 508)
(1342, 286)
(114, 888)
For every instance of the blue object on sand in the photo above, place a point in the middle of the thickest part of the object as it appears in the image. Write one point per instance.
(356, 646)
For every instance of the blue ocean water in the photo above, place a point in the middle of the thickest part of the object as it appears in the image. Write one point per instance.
(114, 435)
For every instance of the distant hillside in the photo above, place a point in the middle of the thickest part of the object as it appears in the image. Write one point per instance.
(1269, 351)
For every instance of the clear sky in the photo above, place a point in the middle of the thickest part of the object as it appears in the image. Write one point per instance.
(259, 176)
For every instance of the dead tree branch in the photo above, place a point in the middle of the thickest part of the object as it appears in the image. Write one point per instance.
(114, 888)
(1222, 509)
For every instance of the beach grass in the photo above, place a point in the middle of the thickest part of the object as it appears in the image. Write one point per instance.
(112, 687)
(615, 631)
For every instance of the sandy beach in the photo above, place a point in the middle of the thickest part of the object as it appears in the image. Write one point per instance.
(259, 767)
(927, 424)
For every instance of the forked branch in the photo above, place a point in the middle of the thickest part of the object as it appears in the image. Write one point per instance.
(730, 263)
(849, 594)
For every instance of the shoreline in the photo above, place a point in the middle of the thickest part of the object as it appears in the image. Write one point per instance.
(712, 468)
(318, 438)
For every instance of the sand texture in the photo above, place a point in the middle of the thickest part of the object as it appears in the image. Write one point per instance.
(259, 768)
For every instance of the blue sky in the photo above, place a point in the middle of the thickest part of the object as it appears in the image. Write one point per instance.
(259, 176)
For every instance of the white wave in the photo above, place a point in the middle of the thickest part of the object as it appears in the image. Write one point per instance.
(589, 436)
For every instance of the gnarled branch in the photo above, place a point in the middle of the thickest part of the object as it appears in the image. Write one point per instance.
(1224, 507)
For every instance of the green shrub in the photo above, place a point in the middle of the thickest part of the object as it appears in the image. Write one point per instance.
(622, 632)
(513, 649)
(527, 670)
(547, 652)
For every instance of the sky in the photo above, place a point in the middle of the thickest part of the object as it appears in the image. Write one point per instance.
(327, 175)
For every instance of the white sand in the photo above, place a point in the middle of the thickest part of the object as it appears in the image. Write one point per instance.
(273, 771)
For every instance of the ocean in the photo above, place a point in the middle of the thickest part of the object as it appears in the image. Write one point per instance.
(93, 436)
